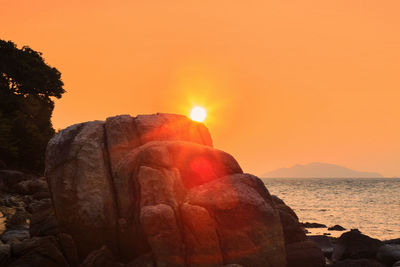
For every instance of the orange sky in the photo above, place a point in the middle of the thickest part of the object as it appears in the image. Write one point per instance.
(284, 82)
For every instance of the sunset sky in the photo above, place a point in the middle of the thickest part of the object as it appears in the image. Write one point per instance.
(283, 82)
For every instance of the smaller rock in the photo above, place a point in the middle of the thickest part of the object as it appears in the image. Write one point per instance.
(389, 254)
(304, 254)
(41, 195)
(323, 242)
(355, 245)
(337, 228)
(397, 264)
(11, 236)
(5, 254)
(102, 257)
(313, 225)
(358, 263)
(43, 221)
(38, 251)
(392, 241)
(18, 220)
(10, 179)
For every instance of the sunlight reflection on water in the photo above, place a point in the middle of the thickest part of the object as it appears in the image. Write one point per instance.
(371, 205)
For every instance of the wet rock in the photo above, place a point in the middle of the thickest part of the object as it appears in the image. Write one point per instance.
(337, 228)
(396, 264)
(389, 254)
(313, 225)
(304, 254)
(102, 257)
(355, 245)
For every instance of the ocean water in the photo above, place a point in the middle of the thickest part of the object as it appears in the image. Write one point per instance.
(369, 204)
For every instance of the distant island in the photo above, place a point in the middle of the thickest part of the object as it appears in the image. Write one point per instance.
(319, 170)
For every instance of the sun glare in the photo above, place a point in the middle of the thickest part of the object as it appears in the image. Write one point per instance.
(198, 114)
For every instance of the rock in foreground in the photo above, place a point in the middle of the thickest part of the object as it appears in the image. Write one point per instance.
(153, 187)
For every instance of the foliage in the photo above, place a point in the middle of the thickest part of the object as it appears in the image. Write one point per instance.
(27, 84)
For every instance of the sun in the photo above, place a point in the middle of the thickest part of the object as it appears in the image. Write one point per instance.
(198, 114)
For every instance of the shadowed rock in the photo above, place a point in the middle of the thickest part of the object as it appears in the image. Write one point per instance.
(355, 245)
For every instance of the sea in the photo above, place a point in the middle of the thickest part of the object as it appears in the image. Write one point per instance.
(371, 205)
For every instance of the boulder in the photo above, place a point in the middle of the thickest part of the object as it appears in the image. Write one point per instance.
(234, 201)
(79, 179)
(31, 186)
(18, 220)
(304, 254)
(10, 236)
(154, 185)
(102, 257)
(355, 245)
(389, 254)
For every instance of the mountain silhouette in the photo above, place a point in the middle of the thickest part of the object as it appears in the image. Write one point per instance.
(319, 170)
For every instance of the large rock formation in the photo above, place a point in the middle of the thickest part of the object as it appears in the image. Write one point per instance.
(152, 189)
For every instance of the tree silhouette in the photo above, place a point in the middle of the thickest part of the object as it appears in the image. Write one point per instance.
(27, 85)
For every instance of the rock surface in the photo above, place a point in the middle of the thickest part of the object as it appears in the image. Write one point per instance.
(153, 190)
(389, 254)
(292, 228)
(355, 245)
(304, 254)
(337, 228)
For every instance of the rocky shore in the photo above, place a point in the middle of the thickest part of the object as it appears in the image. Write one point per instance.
(152, 191)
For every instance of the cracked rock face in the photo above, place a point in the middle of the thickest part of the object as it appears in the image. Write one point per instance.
(154, 185)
